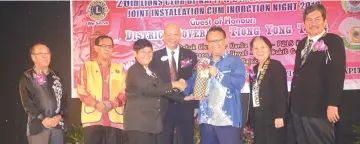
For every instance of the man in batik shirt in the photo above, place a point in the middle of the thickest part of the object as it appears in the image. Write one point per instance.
(43, 99)
(220, 112)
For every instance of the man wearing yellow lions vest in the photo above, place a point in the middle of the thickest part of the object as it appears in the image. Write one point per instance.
(101, 87)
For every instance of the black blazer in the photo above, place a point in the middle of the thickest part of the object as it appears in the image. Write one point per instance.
(143, 93)
(273, 93)
(315, 84)
(162, 68)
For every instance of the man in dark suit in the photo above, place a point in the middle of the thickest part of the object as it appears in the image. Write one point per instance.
(318, 80)
(173, 63)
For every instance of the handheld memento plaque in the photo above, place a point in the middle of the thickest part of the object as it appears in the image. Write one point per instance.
(202, 78)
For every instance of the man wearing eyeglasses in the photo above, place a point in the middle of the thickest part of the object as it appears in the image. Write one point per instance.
(220, 111)
(101, 87)
(43, 98)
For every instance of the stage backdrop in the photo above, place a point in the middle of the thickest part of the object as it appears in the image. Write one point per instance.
(127, 21)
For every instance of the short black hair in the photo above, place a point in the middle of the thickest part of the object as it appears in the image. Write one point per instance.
(216, 28)
(32, 48)
(315, 7)
(265, 39)
(142, 43)
(101, 37)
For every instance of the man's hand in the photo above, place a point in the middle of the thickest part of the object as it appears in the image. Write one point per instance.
(333, 114)
(180, 84)
(100, 106)
(108, 106)
(182, 81)
(183, 84)
(213, 70)
(57, 118)
(49, 122)
(191, 97)
(279, 122)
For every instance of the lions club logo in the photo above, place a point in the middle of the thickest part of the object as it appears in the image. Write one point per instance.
(97, 10)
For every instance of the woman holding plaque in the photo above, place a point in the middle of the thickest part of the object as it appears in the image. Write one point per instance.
(142, 120)
(268, 87)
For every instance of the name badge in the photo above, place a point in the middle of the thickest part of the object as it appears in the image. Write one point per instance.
(255, 96)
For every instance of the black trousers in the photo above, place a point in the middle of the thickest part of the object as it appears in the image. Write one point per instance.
(265, 132)
(103, 135)
(47, 136)
(179, 118)
(138, 137)
(310, 130)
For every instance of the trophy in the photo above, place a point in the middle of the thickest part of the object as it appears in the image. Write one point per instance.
(202, 78)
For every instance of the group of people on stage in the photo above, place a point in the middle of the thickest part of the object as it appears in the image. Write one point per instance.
(153, 100)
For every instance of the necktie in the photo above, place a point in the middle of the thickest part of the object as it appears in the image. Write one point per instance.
(307, 51)
(173, 73)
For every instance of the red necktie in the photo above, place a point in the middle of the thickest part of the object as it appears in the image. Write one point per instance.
(173, 73)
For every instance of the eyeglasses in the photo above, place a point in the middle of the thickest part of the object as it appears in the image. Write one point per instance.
(42, 54)
(215, 41)
(106, 46)
(314, 20)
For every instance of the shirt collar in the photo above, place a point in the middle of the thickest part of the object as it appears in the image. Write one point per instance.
(317, 37)
(222, 56)
(176, 50)
(107, 65)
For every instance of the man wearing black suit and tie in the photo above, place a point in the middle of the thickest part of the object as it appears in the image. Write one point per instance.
(318, 80)
(173, 63)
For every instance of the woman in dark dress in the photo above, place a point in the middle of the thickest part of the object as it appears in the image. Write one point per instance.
(142, 119)
(268, 86)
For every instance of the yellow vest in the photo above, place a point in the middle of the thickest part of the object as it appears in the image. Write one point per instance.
(94, 87)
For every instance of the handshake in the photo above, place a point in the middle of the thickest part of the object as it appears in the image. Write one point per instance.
(180, 84)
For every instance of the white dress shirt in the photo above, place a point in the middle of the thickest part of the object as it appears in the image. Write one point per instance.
(315, 38)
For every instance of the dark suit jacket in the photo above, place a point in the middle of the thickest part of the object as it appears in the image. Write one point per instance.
(163, 69)
(143, 93)
(317, 84)
(273, 93)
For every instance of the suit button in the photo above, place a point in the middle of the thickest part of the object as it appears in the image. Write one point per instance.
(159, 100)
(262, 109)
(159, 109)
(296, 75)
(260, 98)
(293, 86)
